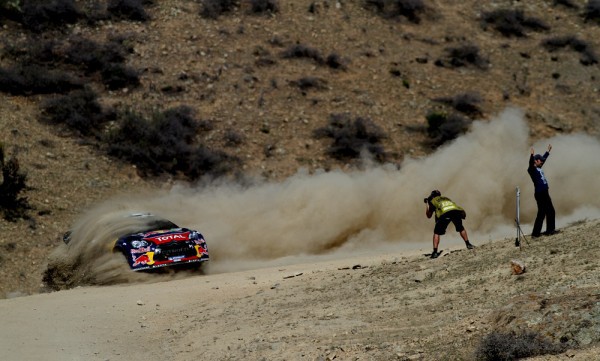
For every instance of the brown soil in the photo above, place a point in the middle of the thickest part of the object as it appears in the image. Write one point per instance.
(395, 306)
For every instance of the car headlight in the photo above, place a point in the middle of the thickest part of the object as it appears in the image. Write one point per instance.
(138, 244)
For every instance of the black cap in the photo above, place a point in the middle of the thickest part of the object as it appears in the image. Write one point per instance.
(538, 157)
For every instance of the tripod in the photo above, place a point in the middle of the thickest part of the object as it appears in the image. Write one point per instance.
(517, 221)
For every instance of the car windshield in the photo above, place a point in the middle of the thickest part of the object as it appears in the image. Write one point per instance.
(158, 224)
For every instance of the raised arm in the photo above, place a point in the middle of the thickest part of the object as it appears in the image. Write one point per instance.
(531, 157)
(545, 156)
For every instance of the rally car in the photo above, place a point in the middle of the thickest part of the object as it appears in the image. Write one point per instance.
(156, 242)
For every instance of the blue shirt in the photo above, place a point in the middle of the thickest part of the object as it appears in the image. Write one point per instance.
(537, 174)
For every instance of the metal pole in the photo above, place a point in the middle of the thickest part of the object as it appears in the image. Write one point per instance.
(517, 219)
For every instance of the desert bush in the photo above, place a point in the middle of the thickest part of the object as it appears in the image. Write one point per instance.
(309, 82)
(106, 58)
(566, 3)
(118, 76)
(31, 50)
(302, 51)
(207, 163)
(10, 9)
(334, 61)
(127, 10)
(10, 4)
(71, 57)
(12, 205)
(264, 6)
(466, 103)
(351, 137)
(592, 11)
(233, 138)
(42, 15)
(92, 56)
(498, 346)
(588, 56)
(461, 56)
(79, 111)
(212, 9)
(35, 79)
(410, 9)
(164, 144)
(510, 22)
(153, 145)
(443, 127)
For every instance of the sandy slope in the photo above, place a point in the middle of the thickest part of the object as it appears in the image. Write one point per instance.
(390, 306)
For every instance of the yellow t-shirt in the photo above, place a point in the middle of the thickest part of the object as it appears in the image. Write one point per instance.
(443, 205)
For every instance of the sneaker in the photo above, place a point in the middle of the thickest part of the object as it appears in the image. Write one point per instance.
(435, 254)
(470, 246)
(550, 233)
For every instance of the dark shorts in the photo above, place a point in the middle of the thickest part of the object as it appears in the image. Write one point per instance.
(442, 223)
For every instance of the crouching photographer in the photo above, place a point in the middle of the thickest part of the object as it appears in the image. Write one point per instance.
(445, 211)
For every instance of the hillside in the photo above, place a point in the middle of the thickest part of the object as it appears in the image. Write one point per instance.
(330, 121)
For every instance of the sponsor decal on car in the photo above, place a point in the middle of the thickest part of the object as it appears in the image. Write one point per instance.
(141, 250)
(169, 237)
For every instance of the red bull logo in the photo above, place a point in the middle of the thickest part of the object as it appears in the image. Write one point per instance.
(145, 259)
(141, 260)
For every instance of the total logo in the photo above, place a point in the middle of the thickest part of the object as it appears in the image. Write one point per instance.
(170, 237)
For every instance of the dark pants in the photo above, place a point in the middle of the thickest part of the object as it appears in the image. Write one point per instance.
(442, 223)
(545, 210)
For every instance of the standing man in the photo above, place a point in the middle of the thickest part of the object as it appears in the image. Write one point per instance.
(446, 211)
(541, 193)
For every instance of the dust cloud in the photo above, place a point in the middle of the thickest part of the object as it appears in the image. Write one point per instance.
(328, 214)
